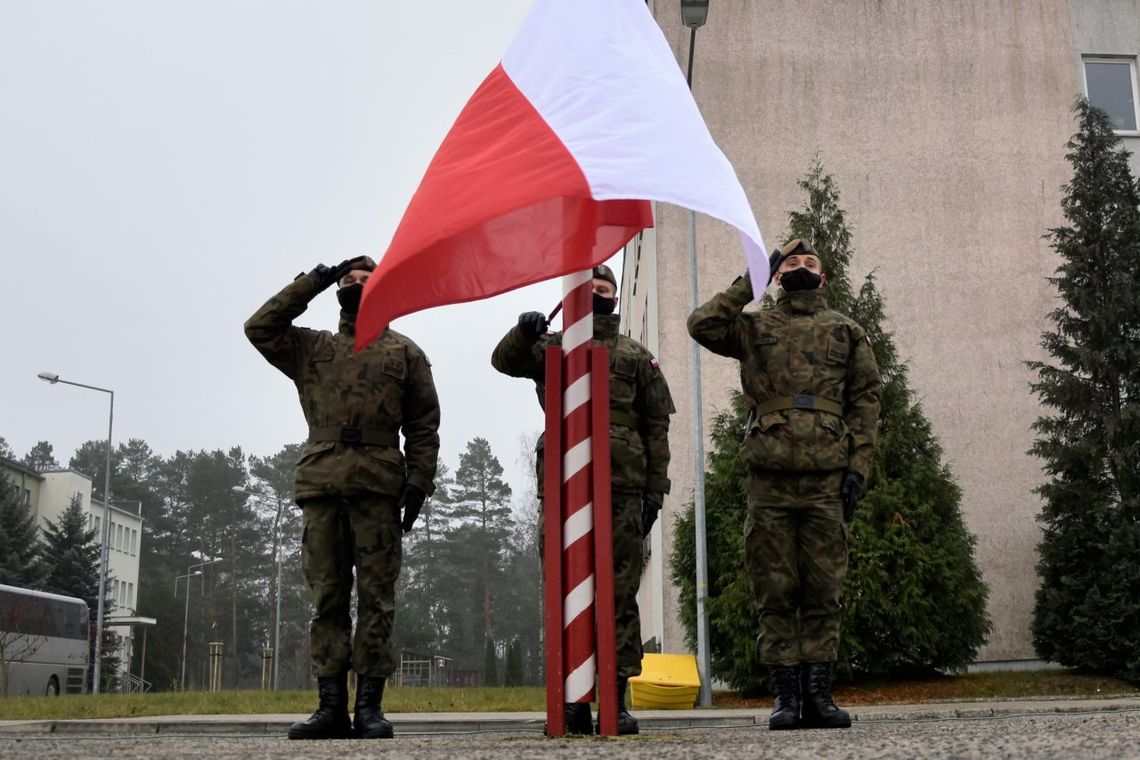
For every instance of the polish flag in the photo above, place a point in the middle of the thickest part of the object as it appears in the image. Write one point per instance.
(551, 165)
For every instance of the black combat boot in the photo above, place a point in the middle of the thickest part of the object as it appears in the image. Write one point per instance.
(786, 711)
(330, 721)
(819, 707)
(369, 721)
(577, 717)
(627, 724)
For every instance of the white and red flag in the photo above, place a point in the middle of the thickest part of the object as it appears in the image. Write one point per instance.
(550, 166)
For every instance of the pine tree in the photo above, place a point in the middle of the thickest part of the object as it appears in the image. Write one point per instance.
(20, 563)
(490, 664)
(914, 599)
(1088, 606)
(513, 669)
(6, 450)
(40, 458)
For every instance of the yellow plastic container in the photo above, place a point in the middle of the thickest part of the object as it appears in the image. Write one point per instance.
(667, 682)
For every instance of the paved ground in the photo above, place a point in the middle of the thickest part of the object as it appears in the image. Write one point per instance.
(1036, 729)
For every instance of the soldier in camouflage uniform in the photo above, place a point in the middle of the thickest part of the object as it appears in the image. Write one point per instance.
(811, 382)
(640, 406)
(352, 483)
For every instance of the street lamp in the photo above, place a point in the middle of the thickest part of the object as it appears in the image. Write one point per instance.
(105, 540)
(277, 587)
(694, 13)
(190, 572)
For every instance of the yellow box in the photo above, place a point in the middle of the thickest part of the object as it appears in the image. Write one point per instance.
(667, 682)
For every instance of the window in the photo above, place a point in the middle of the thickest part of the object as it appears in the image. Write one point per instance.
(27, 496)
(131, 595)
(119, 537)
(134, 539)
(1110, 84)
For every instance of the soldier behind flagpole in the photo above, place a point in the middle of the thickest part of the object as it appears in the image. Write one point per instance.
(640, 406)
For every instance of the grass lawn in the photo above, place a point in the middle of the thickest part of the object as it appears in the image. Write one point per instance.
(981, 686)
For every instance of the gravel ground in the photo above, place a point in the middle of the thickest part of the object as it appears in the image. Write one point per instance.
(1113, 734)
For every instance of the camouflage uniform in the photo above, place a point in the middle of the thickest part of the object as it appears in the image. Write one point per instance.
(351, 471)
(640, 406)
(810, 378)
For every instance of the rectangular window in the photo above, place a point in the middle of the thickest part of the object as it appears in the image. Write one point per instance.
(131, 595)
(98, 534)
(134, 540)
(1110, 84)
(115, 591)
(27, 497)
(119, 537)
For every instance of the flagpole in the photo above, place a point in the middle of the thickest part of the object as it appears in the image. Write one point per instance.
(704, 659)
(577, 489)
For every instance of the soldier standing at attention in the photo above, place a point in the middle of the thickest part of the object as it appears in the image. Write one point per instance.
(810, 379)
(640, 406)
(352, 483)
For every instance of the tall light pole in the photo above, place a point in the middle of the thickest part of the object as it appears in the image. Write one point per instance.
(190, 571)
(277, 587)
(694, 13)
(105, 540)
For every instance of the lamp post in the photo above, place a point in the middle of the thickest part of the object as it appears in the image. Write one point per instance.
(190, 572)
(105, 539)
(694, 13)
(277, 586)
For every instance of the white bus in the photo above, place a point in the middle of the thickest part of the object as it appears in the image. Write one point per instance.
(43, 643)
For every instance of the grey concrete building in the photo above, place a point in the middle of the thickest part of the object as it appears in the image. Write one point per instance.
(944, 124)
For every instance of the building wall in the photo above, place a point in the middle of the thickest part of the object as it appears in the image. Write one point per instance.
(944, 125)
(24, 479)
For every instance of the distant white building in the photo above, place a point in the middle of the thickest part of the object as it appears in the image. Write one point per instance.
(48, 493)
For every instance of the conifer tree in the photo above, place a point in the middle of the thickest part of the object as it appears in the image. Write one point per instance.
(1087, 610)
(71, 551)
(20, 563)
(913, 598)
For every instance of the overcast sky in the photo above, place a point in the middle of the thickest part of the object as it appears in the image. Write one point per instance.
(165, 167)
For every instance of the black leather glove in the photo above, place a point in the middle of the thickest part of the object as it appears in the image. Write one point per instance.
(533, 324)
(650, 508)
(773, 264)
(410, 503)
(851, 491)
(325, 276)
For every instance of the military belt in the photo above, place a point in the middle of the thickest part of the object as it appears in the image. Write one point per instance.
(802, 401)
(354, 435)
(625, 419)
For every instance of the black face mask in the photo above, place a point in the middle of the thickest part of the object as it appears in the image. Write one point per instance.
(800, 279)
(603, 305)
(349, 297)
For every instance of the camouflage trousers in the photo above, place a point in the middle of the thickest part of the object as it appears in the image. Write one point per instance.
(629, 558)
(795, 552)
(342, 534)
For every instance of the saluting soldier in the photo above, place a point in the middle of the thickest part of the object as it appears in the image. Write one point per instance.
(640, 406)
(352, 483)
(812, 386)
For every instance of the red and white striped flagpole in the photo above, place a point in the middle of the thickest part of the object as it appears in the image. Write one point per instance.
(578, 612)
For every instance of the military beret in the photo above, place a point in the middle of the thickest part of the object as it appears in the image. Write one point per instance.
(793, 247)
(362, 262)
(603, 272)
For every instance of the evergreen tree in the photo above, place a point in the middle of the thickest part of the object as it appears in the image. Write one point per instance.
(40, 458)
(481, 519)
(20, 563)
(513, 669)
(913, 598)
(6, 450)
(490, 664)
(1088, 606)
(72, 553)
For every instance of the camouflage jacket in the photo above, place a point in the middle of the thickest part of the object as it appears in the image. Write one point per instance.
(384, 389)
(640, 403)
(799, 348)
